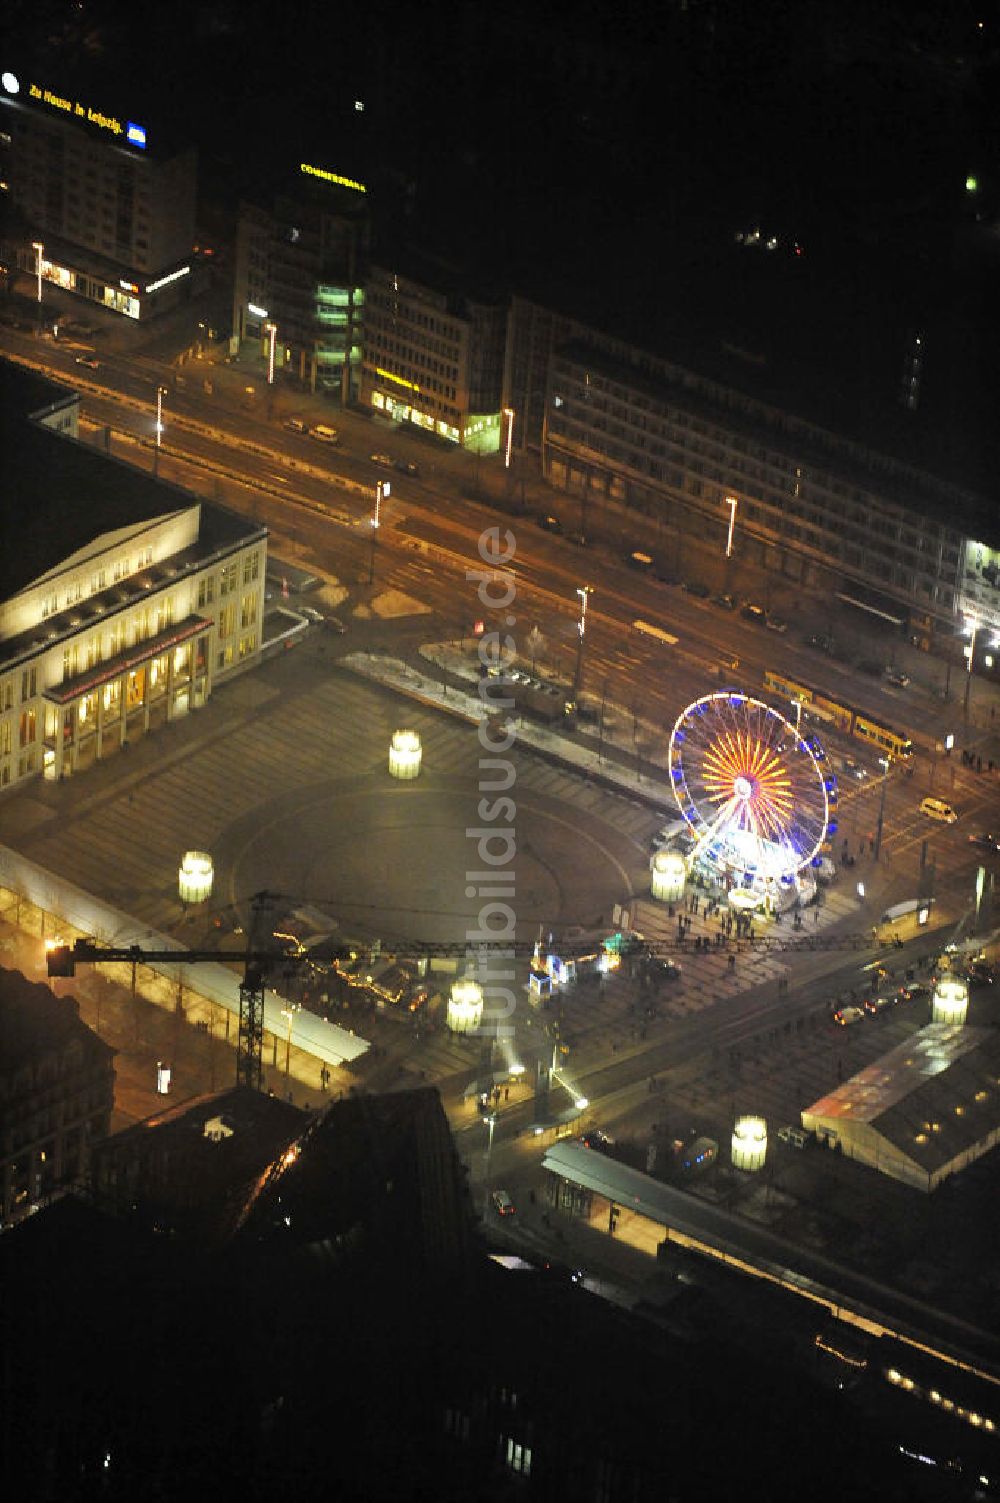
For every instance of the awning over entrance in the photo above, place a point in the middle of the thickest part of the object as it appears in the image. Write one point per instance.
(143, 652)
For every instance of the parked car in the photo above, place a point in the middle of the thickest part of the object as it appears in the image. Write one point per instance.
(853, 769)
(696, 588)
(845, 1016)
(296, 425)
(724, 602)
(915, 991)
(666, 970)
(936, 808)
(639, 560)
(549, 524)
(502, 1203)
(598, 1140)
(89, 362)
(334, 623)
(324, 433)
(407, 467)
(578, 539)
(988, 841)
(893, 676)
(383, 459)
(776, 623)
(755, 613)
(795, 1137)
(821, 641)
(881, 1003)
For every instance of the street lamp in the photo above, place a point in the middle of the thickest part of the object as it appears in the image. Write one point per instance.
(508, 413)
(381, 489)
(161, 392)
(584, 592)
(288, 1014)
(732, 503)
(798, 703)
(861, 890)
(272, 329)
(38, 247)
(971, 627)
(490, 1122)
(884, 764)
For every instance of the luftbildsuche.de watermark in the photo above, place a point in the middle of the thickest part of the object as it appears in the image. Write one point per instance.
(490, 939)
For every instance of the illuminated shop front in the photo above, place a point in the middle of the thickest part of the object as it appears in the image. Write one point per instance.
(99, 282)
(105, 707)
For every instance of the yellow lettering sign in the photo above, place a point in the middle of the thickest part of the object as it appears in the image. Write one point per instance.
(332, 177)
(399, 380)
(77, 110)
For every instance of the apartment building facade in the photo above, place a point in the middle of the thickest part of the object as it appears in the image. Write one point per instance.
(57, 1088)
(96, 204)
(612, 422)
(434, 357)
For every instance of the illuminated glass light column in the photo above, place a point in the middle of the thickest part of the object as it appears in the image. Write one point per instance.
(950, 1003)
(667, 875)
(195, 878)
(405, 753)
(465, 1007)
(749, 1147)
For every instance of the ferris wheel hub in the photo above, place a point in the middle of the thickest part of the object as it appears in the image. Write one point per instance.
(743, 788)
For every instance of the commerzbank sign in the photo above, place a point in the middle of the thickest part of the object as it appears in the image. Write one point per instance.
(332, 177)
(73, 109)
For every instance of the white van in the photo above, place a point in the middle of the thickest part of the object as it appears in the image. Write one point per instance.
(936, 808)
(670, 836)
(324, 434)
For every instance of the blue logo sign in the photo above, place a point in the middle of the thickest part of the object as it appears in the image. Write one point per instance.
(135, 134)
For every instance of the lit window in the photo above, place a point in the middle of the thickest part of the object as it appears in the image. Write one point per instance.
(519, 1458)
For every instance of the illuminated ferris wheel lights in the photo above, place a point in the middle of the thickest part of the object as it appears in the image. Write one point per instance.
(750, 789)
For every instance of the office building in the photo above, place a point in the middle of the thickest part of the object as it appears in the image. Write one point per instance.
(434, 355)
(614, 423)
(95, 203)
(301, 260)
(125, 600)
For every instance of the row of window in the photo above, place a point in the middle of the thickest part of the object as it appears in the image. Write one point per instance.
(823, 511)
(230, 653)
(881, 566)
(430, 323)
(726, 398)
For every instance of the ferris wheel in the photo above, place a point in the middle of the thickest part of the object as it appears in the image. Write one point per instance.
(758, 798)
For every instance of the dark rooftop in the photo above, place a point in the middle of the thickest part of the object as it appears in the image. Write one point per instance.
(368, 1163)
(57, 495)
(34, 1022)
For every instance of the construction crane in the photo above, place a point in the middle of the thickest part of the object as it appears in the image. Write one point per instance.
(62, 960)
(258, 961)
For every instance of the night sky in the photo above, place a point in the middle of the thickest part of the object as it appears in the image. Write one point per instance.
(604, 157)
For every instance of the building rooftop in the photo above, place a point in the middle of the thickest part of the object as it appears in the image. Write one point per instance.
(933, 1096)
(365, 1164)
(34, 1022)
(57, 495)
